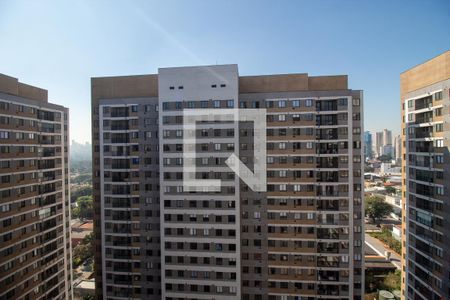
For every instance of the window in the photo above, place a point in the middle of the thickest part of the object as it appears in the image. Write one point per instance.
(230, 103)
(309, 102)
(410, 103)
(166, 133)
(134, 108)
(410, 117)
(296, 103)
(216, 103)
(4, 105)
(5, 207)
(281, 118)
(356, 102)
(4, 134)
(4, 120)
(437, 96)
(213, 86)
(282, 103)
(180, 87)
(439, 159)
(439, 143)
(342, 102)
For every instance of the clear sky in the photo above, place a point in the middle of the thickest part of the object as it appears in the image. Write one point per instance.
(60, 45)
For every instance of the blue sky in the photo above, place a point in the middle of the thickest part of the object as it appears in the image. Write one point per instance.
(60, 45)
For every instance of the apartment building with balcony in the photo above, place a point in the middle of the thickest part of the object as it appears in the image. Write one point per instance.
(126, 187)
(426, 176)
(302, 237)
(35, 250)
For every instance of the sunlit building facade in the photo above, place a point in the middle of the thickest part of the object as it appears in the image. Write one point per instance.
(35, 246)
(302, 238)
(426, 179)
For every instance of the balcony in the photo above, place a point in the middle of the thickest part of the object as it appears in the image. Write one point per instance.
(119, 112)
(327, 105)
(423, 134)
(327, 235)
(327, 177)
(328, 262)
(123, 256)
(422, 103)
(327, 136)
(328, 205)
(327, 163)
(328, 275)
(120, 125)
(121, 203)
(327, 247)
(329, 290)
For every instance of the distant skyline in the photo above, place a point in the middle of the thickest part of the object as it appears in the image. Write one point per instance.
(60, 45)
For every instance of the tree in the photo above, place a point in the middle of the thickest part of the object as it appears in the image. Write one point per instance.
(82, 191)
(392, 281)
(84, 208)
(82, 179)
(376, 208)
(390, 190)
(83, 251)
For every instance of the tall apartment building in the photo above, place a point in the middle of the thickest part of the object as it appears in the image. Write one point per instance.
(388, 149)
(35, 250)
(426, 179)
(383, 143)
(387, 137)
(367, 145)
(398, 149)
(378, 144)
(126, 187)
(302, 237)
